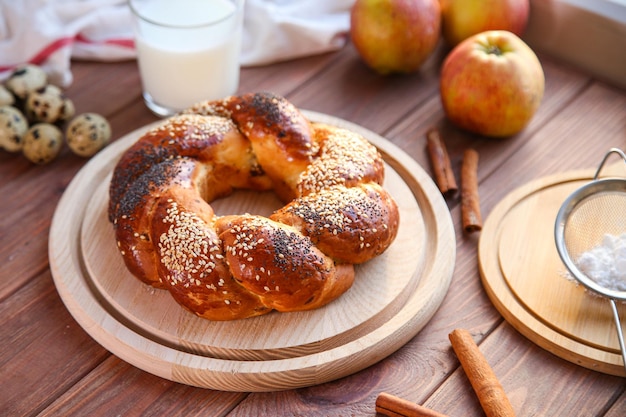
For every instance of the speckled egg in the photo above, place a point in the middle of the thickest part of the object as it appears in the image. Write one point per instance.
(49, 105)
(87, 134)
(25, 79)
(13, 127)
(68, 109)
(6, 98)
(42, 143)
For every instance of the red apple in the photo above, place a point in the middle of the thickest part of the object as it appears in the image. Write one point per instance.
(461, 19)
(491, 84)
(395, 36)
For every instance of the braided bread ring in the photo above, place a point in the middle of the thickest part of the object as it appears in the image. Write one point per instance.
(239, 266)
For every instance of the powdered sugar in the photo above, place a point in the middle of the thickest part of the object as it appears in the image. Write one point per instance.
(606, 263)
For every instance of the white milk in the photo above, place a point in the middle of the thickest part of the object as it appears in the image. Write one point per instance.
(182, 59)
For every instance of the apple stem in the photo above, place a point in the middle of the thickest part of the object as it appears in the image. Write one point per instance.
(495, 50)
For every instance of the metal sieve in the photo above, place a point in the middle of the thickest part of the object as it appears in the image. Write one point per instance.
(589, 214)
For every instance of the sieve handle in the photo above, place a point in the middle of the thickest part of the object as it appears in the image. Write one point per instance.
(611, 151)
(620, 335)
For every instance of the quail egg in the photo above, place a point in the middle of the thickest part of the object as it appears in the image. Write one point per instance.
(87, 134)
(25, 79)
(13, 127)
(48, 104)
(6, 98)
(42, 143)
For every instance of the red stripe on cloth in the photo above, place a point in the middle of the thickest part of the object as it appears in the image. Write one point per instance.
(123, 42)
(50, 49)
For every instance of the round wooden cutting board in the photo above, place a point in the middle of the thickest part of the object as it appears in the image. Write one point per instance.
(392, 299)
(530, 286)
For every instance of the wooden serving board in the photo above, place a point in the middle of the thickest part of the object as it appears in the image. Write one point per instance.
(530, 286)
(393, 297)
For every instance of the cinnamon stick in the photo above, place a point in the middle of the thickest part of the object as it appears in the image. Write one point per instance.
(393, 406)
(488, 389)
(470, 200)
(440, 162)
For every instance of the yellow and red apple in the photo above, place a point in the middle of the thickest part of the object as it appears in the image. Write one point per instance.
(461, 19)
(492, 84)
(395, 36)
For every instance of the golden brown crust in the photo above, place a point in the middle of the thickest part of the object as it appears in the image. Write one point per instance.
(344, 158)
(231, 267)
(195, 270)
(351, 225)
(281, 137)
(279, 264)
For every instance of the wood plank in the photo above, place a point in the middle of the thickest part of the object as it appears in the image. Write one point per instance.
(12, 166)
(44, 351)
(31, 206)
(352, 91)
(116, 87)
(559, 389)
(284, 77)
(618, 408)
(117, 388)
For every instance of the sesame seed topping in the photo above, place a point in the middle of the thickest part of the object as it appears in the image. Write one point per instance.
(184, 248)
(346, 158)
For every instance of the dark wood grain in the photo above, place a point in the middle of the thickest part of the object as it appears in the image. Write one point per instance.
(43, 351)
(50, 366)
(116, 388)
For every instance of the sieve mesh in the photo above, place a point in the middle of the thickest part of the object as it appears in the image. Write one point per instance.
(592, 218)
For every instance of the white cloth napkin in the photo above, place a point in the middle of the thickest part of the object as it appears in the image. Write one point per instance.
(276, 30)
(50, 33)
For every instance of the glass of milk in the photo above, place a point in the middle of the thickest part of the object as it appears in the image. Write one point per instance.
(187, 51)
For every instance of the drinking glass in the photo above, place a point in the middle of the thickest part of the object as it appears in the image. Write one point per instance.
(187, 51)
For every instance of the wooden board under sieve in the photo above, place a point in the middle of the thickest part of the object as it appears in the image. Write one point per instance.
(530, 286)
(393, 297)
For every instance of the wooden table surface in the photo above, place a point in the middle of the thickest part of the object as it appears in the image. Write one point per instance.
(50, 366)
